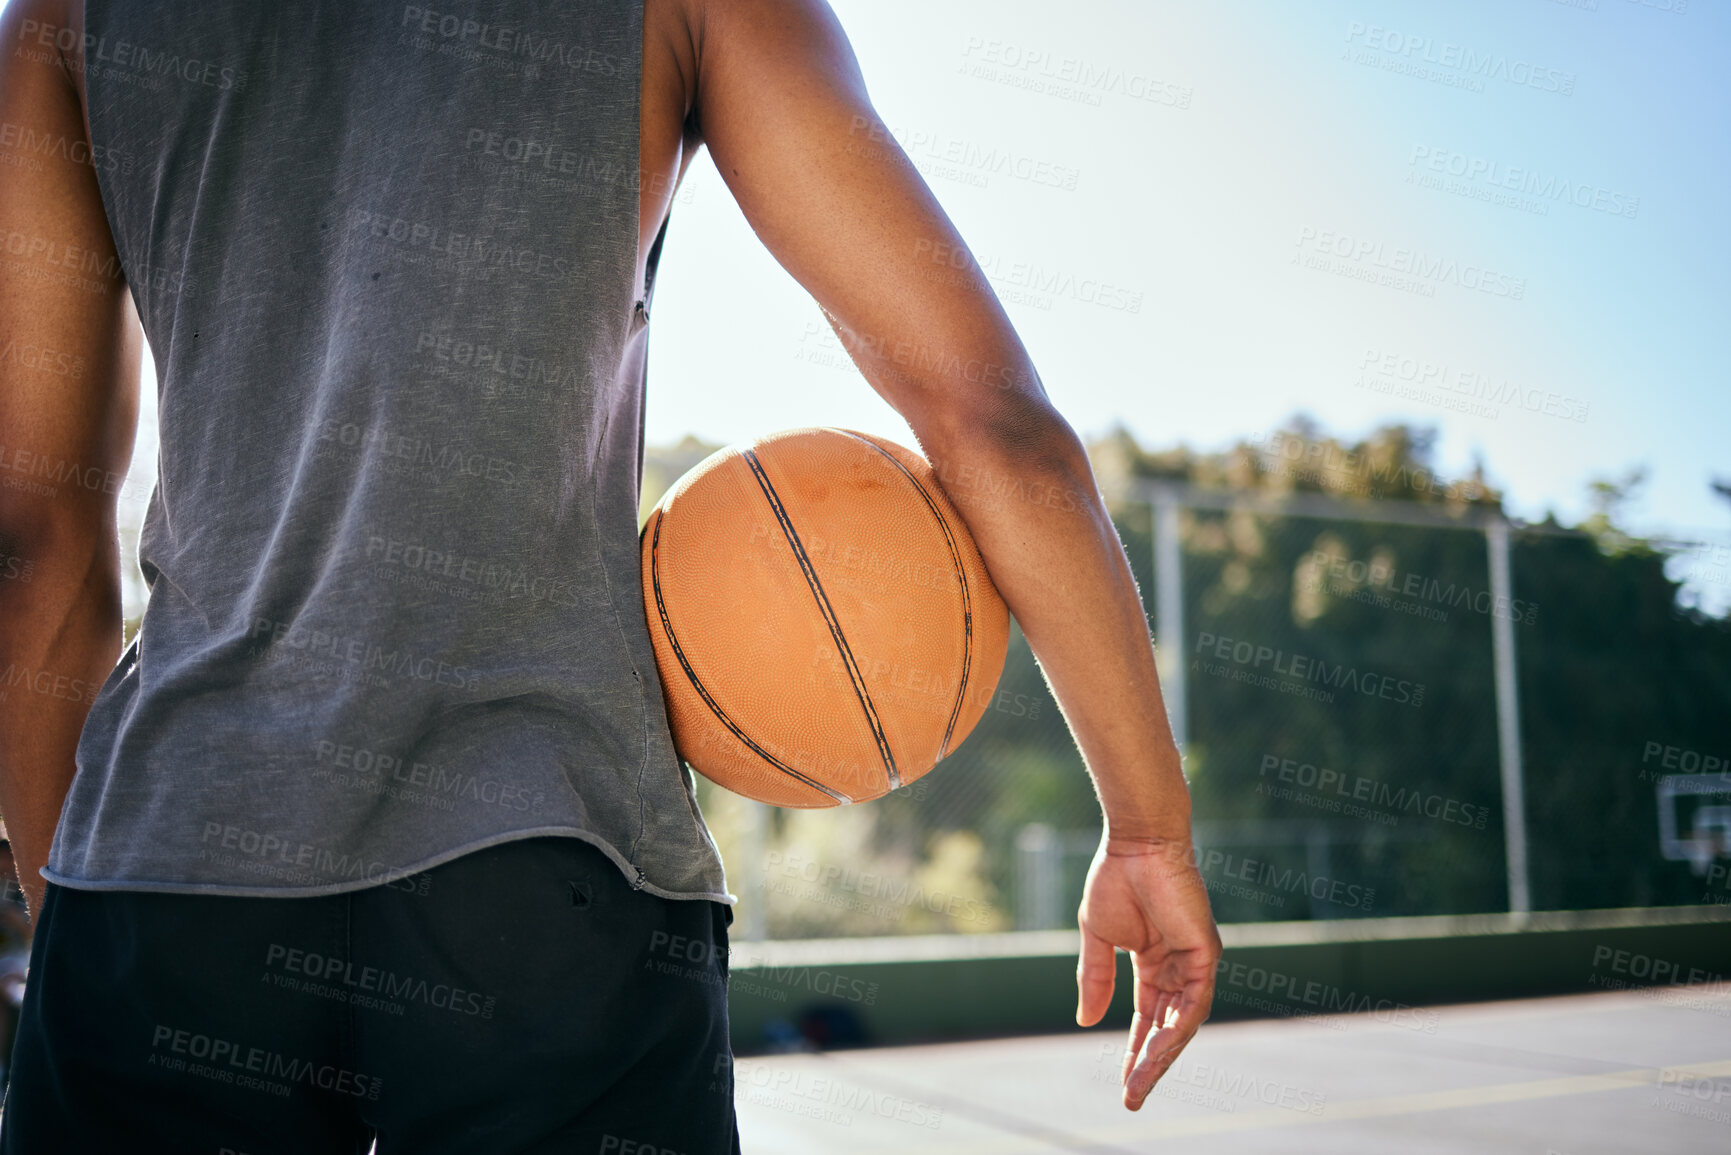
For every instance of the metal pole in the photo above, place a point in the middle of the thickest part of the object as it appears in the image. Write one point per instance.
(1169, 614)
(1039, 861)
(1508, 716)
(754, 902)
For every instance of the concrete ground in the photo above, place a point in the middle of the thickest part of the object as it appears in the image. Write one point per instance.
(1647, 1072)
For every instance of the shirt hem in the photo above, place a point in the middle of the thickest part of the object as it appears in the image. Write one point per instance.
(218, 888)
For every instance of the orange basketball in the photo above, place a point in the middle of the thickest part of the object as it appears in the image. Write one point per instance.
(823, 623)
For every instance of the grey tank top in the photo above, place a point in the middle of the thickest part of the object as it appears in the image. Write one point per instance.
(385, 256)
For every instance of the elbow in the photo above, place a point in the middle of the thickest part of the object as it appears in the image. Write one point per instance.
(1032, 431)
(1020, 428)
(79, 540)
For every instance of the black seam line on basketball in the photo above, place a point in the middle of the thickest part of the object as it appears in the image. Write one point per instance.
(961, 578)
(858, 679)
(703, 692)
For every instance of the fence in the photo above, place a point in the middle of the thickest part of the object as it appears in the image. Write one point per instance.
(1346, 681)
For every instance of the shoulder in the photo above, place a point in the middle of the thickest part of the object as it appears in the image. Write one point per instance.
(41, 50)
(52, 24)
(751, 39)
(43, 32)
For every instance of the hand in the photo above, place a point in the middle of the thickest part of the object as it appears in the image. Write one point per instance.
(1146, 895)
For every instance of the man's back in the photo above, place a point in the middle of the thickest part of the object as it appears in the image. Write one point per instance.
(387, 264)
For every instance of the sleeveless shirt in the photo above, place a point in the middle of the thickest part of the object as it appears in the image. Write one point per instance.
(385, 257)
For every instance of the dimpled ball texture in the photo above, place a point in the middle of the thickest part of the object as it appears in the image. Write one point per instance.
(824, 626)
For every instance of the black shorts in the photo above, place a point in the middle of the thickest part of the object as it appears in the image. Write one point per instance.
(520, 999)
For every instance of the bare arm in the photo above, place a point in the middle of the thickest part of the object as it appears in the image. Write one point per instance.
(783, 108)
(69, 359)
(784, 112)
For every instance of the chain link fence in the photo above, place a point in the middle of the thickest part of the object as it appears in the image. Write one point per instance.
(1384, 709)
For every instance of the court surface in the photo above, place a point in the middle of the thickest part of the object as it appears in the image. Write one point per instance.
(1615, 1072)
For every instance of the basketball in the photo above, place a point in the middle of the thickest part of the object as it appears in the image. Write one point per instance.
(823, 623)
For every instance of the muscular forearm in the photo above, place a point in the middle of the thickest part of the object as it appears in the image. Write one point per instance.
(60, 635)
(1035, 512)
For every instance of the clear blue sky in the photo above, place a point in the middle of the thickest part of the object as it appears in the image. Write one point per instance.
(1294, 123)
(1270, 124)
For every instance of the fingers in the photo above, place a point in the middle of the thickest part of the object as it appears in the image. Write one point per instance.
(1164, 1047)
(1152, 1004)
(1140, 1026)
(1096, 972)
(1173, 1017)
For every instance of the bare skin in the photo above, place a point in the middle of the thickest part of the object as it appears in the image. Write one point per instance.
(63, 625)
(772, 89)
